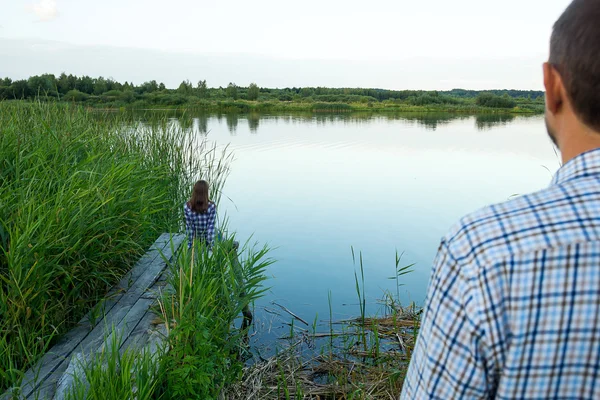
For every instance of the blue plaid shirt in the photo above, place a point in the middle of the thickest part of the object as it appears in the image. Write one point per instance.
(513, 305)
(200, 226)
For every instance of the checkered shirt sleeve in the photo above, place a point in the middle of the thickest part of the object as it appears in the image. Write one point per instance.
(200, 226)
(512, 310)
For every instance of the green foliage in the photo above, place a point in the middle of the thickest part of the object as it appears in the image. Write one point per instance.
(42, 85)
(75, 95)
(185, 88)
(112, 375)
(331, 107)
(19, 90)
(202, 89)
(252, 92)
(148, 87)
(493, 101)
(85, 84)
(306, 92)
(208, 290)
(345, 98)
(66, 83)
(79, 202)
(153, 94)
(211, 290)
(232, 91)
(432, 98)
(100, 86)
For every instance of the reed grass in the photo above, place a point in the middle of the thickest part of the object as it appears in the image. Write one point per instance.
(82, 195)
(212, 288)
(116, 375)
(202, 351)
(349, 372)
(361, 358)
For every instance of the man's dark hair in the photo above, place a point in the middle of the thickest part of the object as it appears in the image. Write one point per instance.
(575, 53)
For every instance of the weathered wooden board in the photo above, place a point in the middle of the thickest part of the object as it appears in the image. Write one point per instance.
(120, 313)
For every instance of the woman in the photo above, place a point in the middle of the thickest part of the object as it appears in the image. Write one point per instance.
(200, 214)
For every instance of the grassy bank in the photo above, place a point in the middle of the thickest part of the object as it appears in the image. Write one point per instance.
(388, 107)
(80, 200)
(336, 107)
(102, 92)
(201, 356)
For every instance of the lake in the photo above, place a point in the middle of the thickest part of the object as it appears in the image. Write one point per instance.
(313, 187)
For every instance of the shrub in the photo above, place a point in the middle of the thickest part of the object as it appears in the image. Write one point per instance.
(495, 101)
(76, 95)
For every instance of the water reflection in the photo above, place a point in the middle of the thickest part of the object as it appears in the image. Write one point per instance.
(253, 121)
(186, 122)
(294, 186)
(232, 122)
(429, 121)
(202, 121)
(488, 121)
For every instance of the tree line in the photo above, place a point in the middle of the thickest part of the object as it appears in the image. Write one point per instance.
(108, 91)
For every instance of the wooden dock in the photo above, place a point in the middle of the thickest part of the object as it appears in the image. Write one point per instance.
(124, 315)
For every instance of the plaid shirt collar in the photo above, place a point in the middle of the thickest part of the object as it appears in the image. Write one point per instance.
(584, 165)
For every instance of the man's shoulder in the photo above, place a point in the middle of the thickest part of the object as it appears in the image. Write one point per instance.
(543, 219)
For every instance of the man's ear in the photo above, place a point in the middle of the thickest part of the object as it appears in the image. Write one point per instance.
(554, 88)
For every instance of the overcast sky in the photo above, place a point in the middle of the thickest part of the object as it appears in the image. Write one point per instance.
(393, 44)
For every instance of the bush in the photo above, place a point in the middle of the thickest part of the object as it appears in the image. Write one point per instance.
(494, 101)
(76, 95)
(79, 203)
(332, 107)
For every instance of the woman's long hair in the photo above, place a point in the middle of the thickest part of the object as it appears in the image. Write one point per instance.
(199, 201)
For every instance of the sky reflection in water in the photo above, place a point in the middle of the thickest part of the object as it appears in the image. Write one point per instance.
(312, 187)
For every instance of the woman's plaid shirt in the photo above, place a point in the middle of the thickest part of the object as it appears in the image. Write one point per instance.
(200, 226)
(513, 305)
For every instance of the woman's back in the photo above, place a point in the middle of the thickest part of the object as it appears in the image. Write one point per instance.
(200, 225)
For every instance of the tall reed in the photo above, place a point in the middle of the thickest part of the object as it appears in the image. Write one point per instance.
(212, 288)
(201, 354)
(82, 195)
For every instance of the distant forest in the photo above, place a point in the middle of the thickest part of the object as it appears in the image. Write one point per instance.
(111, 93)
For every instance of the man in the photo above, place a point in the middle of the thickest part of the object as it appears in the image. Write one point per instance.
(513, 304)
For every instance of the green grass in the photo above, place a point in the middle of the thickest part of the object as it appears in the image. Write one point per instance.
(314, 105)
(81, 198)
(245, 106)
(115, 375)
(202, 353)
(212, 289)
(363, 358)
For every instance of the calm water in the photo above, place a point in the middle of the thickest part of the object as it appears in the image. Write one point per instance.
(312, 187)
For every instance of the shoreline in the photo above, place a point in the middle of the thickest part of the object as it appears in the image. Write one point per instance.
(249, 107)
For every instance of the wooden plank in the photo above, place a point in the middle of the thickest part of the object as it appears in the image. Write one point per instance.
(60, 353)
(130, 329)
(82, 357)
(62, 350)
(140, 334)
(123, 331)
(122, 318)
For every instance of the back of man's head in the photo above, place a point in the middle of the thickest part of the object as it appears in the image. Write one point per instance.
(575, 53)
